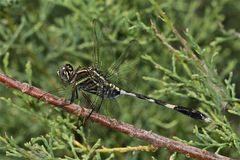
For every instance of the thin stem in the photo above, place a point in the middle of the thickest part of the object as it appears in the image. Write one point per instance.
(148, 148)
(156, 140)
(161, 37)
(201, 65)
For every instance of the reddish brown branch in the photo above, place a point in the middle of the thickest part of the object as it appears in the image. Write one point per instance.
(153, 138)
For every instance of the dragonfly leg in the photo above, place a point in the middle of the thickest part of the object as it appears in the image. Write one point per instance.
(93, 108)
(74, 94)
(89, 105)
(99, 106)
(86, 118)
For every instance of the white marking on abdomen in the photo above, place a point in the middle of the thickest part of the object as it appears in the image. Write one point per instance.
(172, 106)
(134, 95)
(127, 93)
(151, 100)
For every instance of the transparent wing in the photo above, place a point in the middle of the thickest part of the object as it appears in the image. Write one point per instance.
(131, 50)
(87, 100)
(97, 34)
(111, 108)
(106, 106)
(103, 46)
(92, 105)
(62, 91)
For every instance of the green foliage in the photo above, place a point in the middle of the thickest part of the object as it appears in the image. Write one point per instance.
(197, 68)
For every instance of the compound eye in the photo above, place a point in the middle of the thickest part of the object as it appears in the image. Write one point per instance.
(62, 73)
(65, 74)
(68, 67)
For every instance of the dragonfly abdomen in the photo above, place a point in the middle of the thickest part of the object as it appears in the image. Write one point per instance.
(111, 91)
(184, 110)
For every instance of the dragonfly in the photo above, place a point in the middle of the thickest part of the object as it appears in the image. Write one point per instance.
(91, 79)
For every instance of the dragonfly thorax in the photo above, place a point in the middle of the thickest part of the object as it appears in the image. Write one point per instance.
(88, 79)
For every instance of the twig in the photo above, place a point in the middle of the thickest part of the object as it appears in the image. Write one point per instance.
(203, 68)
(148, 148)
(161, 37)
(152, 138)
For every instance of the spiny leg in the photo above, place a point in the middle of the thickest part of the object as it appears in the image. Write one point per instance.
(74, 94)
(90, 104)
(98, 107)
(92, 109)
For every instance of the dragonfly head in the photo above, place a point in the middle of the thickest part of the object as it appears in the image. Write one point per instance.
(65, 73)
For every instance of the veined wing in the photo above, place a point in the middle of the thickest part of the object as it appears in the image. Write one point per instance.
(96, 44)
(131, 49)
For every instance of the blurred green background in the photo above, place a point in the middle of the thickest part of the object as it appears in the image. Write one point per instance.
(37, 37)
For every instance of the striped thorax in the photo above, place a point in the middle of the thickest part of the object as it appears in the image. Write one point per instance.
(88, 79)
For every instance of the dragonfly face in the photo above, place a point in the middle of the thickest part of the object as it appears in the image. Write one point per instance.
(65, 73)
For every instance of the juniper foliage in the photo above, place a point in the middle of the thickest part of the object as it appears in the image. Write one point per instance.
(197, 68)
